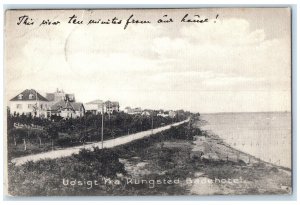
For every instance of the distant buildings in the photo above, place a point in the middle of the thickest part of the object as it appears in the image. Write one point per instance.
(94, 107)
(146, 113)
(169, 113)
(172, 114)
(127, 109)
(64, 104)
(99, 106)
(163, 114)
(111, 107)
(29, 102)
(133, 111)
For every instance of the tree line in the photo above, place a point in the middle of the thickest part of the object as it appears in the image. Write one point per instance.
(59, 132)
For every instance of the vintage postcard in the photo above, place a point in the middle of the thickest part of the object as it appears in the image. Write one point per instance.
(135, 102)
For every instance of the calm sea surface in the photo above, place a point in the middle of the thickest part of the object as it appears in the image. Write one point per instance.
(263, 135)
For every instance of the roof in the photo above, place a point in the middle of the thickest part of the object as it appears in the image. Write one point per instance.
(112, 103)
(95, 102)
(50, 96)
(67, 105)
(26, 93)
(71, 97)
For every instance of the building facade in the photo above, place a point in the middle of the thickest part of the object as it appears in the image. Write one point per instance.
(67, 109)
(58, 96)
(29, 102)
(64, 105)
(111, 106)
(94, 107)
(169, 113)
(133, 111)
(172, 114)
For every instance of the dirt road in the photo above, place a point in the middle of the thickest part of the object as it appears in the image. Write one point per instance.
(106, 144)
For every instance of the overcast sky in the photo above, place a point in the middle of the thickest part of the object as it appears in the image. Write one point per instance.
(239, 62)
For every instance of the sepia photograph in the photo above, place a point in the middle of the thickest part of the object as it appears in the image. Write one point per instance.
(148, 102)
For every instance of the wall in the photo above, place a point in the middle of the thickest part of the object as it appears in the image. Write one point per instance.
(25, 109)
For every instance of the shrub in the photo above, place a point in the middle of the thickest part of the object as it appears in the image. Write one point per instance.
(64, 140)
(45, 176)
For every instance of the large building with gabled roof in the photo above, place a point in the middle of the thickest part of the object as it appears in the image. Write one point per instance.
(29, 102)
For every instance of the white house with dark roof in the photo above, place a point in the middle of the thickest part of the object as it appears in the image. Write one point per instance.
(29, 102)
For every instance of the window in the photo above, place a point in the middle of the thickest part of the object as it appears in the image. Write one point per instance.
(30, 105)
(30, 96)
(19, 106)
(20, 97)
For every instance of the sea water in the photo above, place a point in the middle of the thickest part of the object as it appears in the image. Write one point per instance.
(264, 135)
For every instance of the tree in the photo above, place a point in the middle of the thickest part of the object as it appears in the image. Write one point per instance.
(19, 134)
(40, 135)
(12, 134)
(52, 131)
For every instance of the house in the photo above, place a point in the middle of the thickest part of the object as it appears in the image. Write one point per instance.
(163, 114)
(29, 102)
(169, 113)
(58, 96)
(111, 107)
(133, 111)
(67, 109)
(63, 104)
(98, 106)
(146, 113)
(94, 107)
(172, 114)
(127, 109)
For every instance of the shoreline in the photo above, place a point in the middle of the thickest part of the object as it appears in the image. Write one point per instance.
(258, 159)
(254, 160)
(266, 136)
(250, 155)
